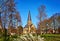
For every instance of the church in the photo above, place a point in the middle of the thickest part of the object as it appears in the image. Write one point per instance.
(29, 27)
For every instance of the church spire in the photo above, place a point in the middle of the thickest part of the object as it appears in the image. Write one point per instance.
(29, 22)
(29, 16)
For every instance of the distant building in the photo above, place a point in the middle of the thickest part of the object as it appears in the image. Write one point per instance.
(20, 30)
(12, 30)
(29, 27)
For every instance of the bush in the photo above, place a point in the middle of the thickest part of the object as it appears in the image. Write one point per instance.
(29, 37)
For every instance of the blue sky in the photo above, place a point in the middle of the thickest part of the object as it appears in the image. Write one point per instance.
(23, 6)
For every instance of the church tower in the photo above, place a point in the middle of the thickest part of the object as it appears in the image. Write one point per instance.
(29, 27)
(29, 22)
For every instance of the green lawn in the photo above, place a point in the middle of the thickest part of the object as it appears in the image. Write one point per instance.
(47, 37)
(51, 37)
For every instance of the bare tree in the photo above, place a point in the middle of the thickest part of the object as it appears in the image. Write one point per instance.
(8, 14)
(41, 17)
(2, 4)
(3, 14)
(11, 11)
(18, 22)
(18, 18)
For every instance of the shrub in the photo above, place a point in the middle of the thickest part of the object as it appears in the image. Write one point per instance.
(29, 37)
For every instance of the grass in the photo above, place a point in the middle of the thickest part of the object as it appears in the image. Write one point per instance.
(30, 37)
(51, 37)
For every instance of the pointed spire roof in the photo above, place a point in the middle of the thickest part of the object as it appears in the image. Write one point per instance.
(29, 16)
